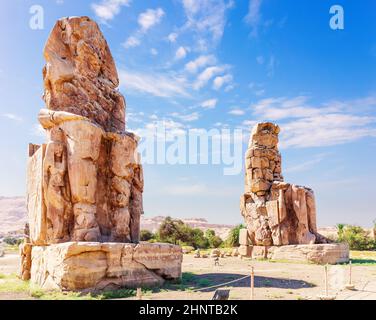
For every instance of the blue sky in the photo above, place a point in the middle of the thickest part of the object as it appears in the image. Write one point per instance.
(219, 64)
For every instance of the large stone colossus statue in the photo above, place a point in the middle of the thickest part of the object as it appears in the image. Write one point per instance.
(276, 213)
(85, 184)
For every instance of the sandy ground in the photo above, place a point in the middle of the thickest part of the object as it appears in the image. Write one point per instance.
(273, 280)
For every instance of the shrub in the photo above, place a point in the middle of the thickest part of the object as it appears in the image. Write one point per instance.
(357, 238)
(214, 240)
(233, 237)
(12, 241)
(146, 235)
(177, 232)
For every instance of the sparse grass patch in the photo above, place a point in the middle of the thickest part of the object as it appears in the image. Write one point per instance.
(267, 283)
(8, 248)
(204, 283)
(11, 283)
(187, 277)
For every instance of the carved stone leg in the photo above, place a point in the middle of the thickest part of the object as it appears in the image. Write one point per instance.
(25, 253)
(121, 231)
(136, 212)
(85, 227)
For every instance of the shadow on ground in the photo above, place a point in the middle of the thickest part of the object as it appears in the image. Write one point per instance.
(201, 282)
(363, 261)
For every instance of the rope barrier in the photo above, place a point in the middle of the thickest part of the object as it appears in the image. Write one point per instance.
(221, 284)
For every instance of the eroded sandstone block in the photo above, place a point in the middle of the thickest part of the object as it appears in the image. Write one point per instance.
(86, 182)
(25, 266)
(85, 185)
(98, 266)
(276, 213)
(80, 76)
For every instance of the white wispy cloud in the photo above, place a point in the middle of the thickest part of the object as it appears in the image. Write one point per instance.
(209, 104)
(131, 42)
(304, 124)
(150, 18)
(306, 165)
(108, 9)
(154, 51)
(146, 20)
(186, 117)
(181, 53)
(172, 37)
(205, 76)
(222, 80)
(200, 62)
(12, 116)
(157, 84)
(207, 17)
(253, 18)
(237, 112)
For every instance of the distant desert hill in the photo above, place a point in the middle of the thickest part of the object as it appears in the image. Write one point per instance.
(152, 224)
(13, 217)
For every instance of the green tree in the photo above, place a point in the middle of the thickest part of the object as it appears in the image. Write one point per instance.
(357, 238)
(146, 235)
(198, 239)
(213, 239)
(172, 231)
(233, 236)
(340, 227)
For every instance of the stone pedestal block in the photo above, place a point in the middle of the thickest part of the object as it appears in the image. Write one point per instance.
(332, 253)
(90, 266)
(243, 237)
(245, 251)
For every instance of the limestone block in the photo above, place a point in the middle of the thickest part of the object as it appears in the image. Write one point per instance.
(123, 155)
(25, 265)
(316, 253)
(256, 162)
(245, 251)
(84, 83)
(259, 185)
(279, 213)
(243, 237)
(264, 162)
(235, 252)
(35, 202)
(215, 253)
(268, 175)
(98, 266)
(260, 252)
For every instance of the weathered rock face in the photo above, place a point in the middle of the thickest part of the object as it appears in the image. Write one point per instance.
(276, 213)
(86, 183)
(332, 253)
(25, 267)
(99, 266)
(80, 76)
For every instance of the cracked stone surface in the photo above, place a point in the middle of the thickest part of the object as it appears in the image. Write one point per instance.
(85, 184)
(99, 266)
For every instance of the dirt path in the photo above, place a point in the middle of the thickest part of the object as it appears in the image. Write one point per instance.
(273, 280)
(9, 263)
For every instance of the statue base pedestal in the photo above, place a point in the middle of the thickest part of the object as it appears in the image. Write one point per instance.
(332, 253)
(95, 266)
